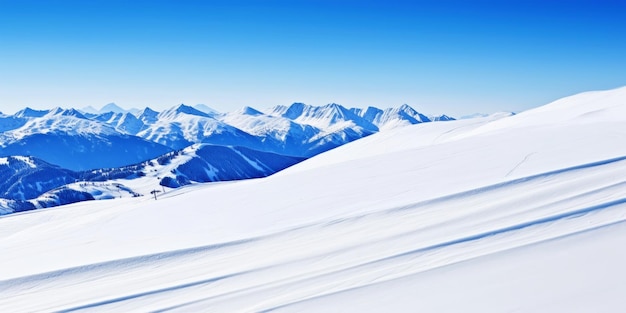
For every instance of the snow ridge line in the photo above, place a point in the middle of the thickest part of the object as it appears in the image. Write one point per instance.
(148, 293)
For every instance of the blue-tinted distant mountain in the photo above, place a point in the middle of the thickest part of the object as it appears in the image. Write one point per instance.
(89, 110)
(206, 109)
(68, 139)
(111, 107)
(442, 118)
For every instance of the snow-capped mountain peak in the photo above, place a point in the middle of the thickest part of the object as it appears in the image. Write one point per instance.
(112, 107)
(181, 109)
(30, 113)
(206, 109)
(246, 110)
(332, 115)
(392, 117)
(65, 112)
(148, 116)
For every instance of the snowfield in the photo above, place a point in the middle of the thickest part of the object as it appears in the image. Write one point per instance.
(522, 213)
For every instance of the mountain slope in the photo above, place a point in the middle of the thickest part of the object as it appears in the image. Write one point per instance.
(183, 125)
(331, 116)
(30, 183)
(278, 134)
(210, 163)
(27, 177)
(68, 139)
(392, 117)
(480, 215)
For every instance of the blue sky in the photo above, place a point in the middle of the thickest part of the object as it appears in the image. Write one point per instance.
(445, 56)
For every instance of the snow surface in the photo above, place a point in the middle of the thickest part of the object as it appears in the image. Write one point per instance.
(499, 214)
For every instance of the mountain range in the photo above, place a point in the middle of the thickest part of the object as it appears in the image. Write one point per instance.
(64, 145)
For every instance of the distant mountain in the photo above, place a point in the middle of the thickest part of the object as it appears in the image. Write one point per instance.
(206, 109)
(68, 139)
(333, 116)
(183, 125)
(442, 118)
(111, 107)
(29, 113)
(278, 134)
(392, 117)
(80, 140)
(126, 123)
(337, 125)
(89, 110)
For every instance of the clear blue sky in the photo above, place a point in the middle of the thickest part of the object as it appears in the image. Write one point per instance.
(441, 56)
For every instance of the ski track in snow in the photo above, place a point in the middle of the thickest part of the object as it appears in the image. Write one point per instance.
(519, 164)
(409, 240)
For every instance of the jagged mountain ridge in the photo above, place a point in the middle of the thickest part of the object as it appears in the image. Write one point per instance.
(120, 137)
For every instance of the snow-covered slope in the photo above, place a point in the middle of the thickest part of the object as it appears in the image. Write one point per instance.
(125, 123)
(331, 116)
(282, 135)
(392, 117)
(206, 109)
(183, 125)
(481, 215)
(201, 163)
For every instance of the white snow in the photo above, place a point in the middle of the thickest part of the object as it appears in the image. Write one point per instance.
(27, 160)
(497, 214)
